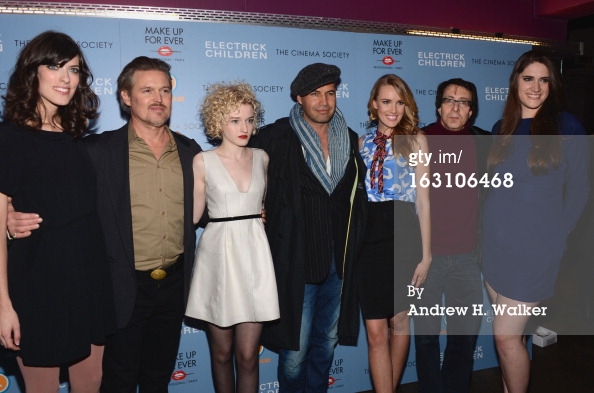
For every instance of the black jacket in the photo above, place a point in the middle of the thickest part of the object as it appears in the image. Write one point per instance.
(285, 230)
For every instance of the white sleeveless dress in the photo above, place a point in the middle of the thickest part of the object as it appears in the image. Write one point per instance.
(233, 279)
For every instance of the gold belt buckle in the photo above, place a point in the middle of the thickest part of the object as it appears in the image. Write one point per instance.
(158, 274)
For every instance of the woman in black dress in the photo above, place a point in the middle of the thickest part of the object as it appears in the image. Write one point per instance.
(56, 304)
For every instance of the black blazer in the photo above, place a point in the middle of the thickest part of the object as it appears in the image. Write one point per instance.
(285, 229)
(109, 155)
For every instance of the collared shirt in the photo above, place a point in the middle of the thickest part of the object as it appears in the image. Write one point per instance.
(157, 202)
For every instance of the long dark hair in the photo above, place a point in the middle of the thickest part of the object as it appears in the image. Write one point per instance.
(22, 96)
(544, 130)
(404, 134)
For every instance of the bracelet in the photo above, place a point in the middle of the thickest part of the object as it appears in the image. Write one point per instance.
(9, 236)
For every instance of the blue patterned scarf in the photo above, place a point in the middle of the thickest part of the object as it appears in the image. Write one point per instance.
(338, 147)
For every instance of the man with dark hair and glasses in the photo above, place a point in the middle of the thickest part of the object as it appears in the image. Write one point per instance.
(460, 150)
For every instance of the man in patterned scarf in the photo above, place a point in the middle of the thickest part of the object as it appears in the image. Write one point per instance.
(315, 207)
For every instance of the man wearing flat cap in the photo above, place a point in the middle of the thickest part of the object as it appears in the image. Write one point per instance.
(315, 209)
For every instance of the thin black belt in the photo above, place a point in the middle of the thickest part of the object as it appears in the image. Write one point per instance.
(162, 272)
(235, 218)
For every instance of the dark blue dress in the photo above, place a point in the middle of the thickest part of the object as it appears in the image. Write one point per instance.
(526, 225)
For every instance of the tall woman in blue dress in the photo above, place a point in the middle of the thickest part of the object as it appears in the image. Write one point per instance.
(56, 304)
(396, 250)
(539, 150)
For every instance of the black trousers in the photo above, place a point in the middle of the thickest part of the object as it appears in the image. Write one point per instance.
(143, 353)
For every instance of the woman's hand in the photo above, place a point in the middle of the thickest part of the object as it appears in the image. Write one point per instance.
(421, 272)
(10, 328)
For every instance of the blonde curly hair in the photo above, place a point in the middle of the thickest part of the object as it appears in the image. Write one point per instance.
(224, 98)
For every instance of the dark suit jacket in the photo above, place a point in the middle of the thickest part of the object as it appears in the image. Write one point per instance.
(109, 154)
(285, 229)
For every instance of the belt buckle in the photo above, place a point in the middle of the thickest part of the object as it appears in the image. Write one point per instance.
(158, 274)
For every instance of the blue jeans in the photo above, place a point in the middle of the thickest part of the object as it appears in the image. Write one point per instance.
(458, 278)
(306, 370)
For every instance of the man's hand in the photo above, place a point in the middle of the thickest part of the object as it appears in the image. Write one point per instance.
(21, 224)
(263, 213)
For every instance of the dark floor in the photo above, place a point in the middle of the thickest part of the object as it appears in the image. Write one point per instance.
(564, 367)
